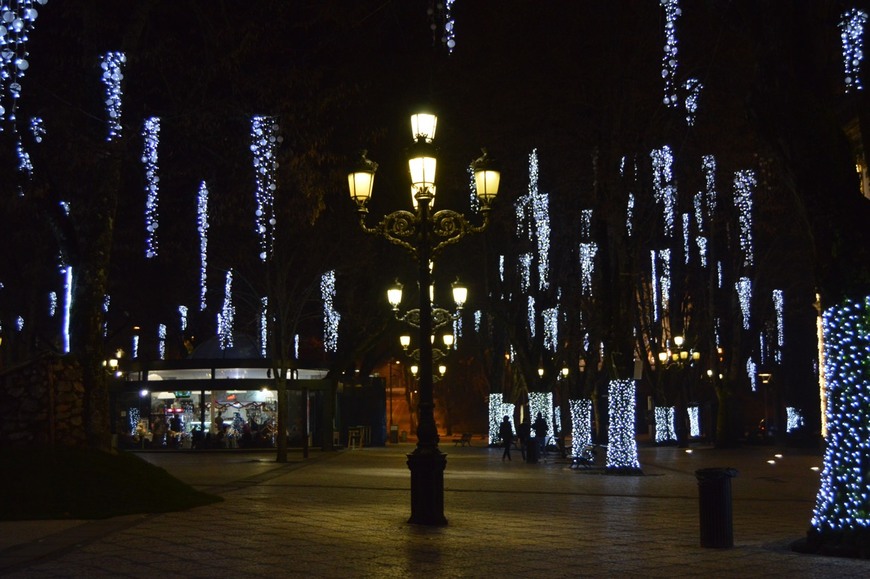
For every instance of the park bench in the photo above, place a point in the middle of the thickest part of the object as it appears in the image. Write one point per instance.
(464, 440)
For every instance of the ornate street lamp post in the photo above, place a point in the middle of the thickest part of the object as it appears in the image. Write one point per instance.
(424, 234)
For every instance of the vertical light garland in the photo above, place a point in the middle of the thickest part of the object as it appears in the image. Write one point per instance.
(692, 88)
(52, 303)
(665, 280)
(151, 133)
(531, 315)
(67, 306)
(588, 252)
(622, 446)
(478, 320)
(842, 510)
(264, 326)
(779, 307)
(752, 374)
(226, 317)
(182, 314)
(581, 424)
(669, 59)
(541, 208)
(264, 145)
(331, 317)
(851, 26)
(16, 23)
(551, 328)
(664, 189)
(161, 341)
(202, 228)
(744, 185)
(687, 219)
(629, 215)
(473, 199)
(654, 283)
(525, 263)
(744, 296)
(112, 64)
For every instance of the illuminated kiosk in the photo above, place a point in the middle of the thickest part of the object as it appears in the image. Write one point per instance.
(227, 402)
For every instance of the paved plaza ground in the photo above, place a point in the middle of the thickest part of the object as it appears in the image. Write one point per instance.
(343, 514)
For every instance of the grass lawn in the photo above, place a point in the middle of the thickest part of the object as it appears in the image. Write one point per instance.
(88, 484)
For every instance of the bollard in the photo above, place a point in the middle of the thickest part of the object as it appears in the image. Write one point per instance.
(714, 498)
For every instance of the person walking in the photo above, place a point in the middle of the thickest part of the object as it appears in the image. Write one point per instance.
(524, 433)
(506, 434)
(540, 428)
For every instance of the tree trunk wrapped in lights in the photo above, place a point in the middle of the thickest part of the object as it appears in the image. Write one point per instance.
(621, 444)
(841, 518)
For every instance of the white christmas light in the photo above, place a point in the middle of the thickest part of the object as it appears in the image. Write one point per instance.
(588, 251)
(16, 22)
(112, 64)
(161, 341)
(752, 373)
(622, 446)
(264, 145)
(226, 317)
(202, 228)
(498, 409)
(654, 282)
(851, 26)
(264, 326)
(664, 257)
(525, 262)
(542, 231)
(694, 422)
(542, 402)
(664, 189)
(551, 328)
(744, 296)
(842, 503)
(794, 419)
(687, 218)
(331, 317)
(664, 417)
(182, 314)
(581, 424)
(669, 60)
(693, 88)
(52, 304)
(478, 320)
(531, 314)
(151, 133)
(744, 184)
(67, 306)
(629, 215)
(779, 306)
(708, 166)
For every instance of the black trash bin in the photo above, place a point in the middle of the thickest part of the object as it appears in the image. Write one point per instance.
(532, 450)
(714, 495)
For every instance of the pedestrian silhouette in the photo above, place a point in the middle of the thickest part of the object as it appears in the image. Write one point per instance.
(540, 428)
(506, 433)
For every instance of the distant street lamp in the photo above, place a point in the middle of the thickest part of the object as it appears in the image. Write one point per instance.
(424, 234)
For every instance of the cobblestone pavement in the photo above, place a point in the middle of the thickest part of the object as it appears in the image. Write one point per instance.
(343, 514)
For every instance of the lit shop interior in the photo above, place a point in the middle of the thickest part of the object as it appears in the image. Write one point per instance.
(224, 404)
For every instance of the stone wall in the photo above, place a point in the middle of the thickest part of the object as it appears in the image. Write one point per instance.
(43, 404)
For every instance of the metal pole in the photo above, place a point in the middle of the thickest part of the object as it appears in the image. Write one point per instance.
(427, 462)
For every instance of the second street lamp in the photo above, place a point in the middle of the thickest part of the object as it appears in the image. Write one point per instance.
(424, 233)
